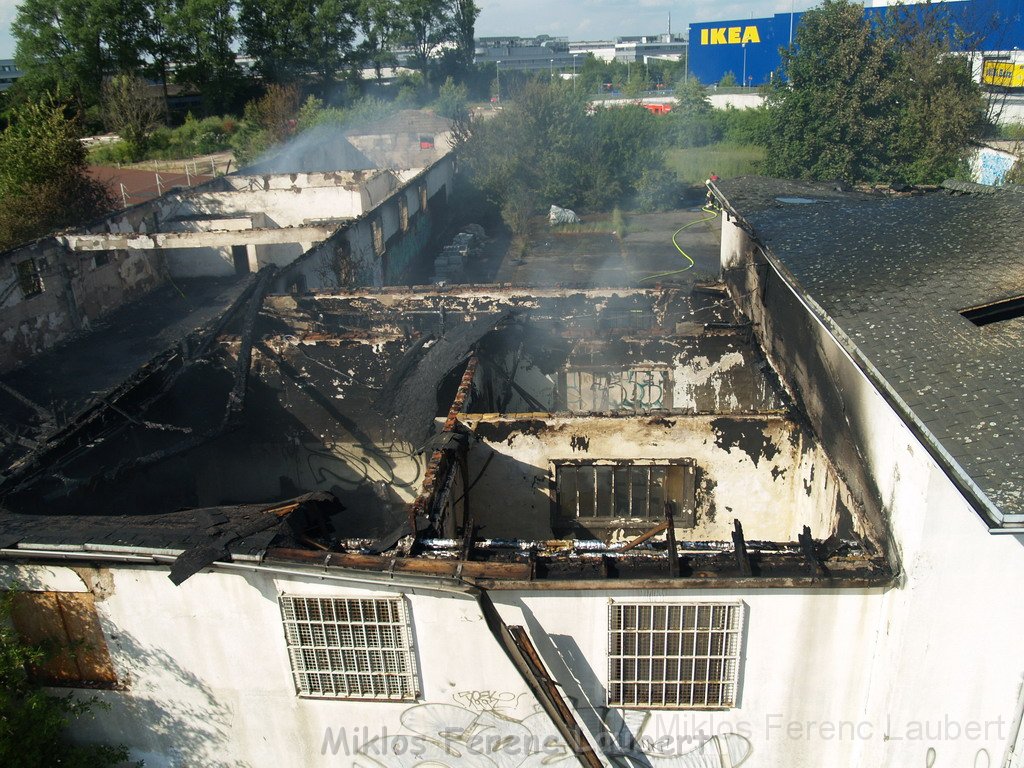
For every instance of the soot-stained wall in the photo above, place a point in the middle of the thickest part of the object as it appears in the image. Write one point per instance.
(762, 470)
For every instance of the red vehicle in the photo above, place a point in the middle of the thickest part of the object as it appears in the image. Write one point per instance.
(659, 109)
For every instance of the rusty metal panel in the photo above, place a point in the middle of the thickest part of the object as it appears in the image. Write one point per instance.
(67, 626)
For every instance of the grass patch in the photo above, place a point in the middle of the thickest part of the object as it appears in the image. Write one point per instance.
(694, 165)
(613, 223)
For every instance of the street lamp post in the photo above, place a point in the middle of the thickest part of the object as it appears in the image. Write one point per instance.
(497, 74)
(744, 47)
(551, 75)
(574, 72)
(792, 8)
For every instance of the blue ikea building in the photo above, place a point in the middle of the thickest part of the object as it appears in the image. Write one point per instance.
(750, 48)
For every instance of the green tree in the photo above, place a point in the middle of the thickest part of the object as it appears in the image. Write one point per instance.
(425, 24)
(58, 47)
(463, 30)
(133, 111)
(692, 122)
(591, 74)
(43, 181)
(546, 148)
(206, 31)
(452, 101)
(72, 44)
(870, 101)
(291, 39)
(637, 82)
(33, 722)
(380, 24)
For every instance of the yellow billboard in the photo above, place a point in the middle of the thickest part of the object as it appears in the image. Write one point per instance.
(1003, 73)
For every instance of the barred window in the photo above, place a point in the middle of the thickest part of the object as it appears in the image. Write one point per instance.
(678, 656)
(350, 648)
(626, 491)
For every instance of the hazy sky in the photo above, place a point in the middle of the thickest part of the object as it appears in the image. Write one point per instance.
(576, 19)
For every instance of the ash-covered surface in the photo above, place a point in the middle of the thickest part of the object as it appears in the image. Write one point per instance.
(318, 416)
(201, 535)
(65, 379)
(894, 273)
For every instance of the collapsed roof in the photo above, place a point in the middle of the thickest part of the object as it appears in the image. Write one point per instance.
(442, 430)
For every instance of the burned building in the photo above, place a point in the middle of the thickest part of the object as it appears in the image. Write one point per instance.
(328, 218)
(506, 525)
(453, 469)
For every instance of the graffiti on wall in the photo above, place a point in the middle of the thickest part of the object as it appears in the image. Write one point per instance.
(479, 732)
(990, 166)
(632, 390)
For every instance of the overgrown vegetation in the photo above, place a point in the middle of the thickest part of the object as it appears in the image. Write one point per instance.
(33, 722)
(43, 181)
(871, 101)
(692, 165)
(76, 45)
(544, 148)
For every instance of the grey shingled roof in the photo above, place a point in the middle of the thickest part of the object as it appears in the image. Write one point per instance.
(894, 273)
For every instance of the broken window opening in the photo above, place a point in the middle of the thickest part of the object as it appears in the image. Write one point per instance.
(678, 656)
(240, 259)
(378, 237)
(350, 648)
(641, 319)
(996, 312)
(403, 212)
(626, 491)
(29, 279)
(423, 197)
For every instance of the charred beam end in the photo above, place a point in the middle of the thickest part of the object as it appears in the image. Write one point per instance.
(810, 554)
(440, 465)
(645, 536)
(236, 400)
(468, 535)
(740, 544)
(670, 534)
(465, 387)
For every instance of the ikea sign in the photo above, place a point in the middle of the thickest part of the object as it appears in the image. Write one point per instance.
(729, 35)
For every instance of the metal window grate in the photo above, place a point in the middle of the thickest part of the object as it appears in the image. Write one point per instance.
(350, 648)
(632, 491)
(679, 656)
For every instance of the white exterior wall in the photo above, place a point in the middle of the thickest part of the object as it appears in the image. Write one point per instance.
(208, 680)
(283, 208)
(942, 657)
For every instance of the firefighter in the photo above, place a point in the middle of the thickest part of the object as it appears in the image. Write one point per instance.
(711, 196)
